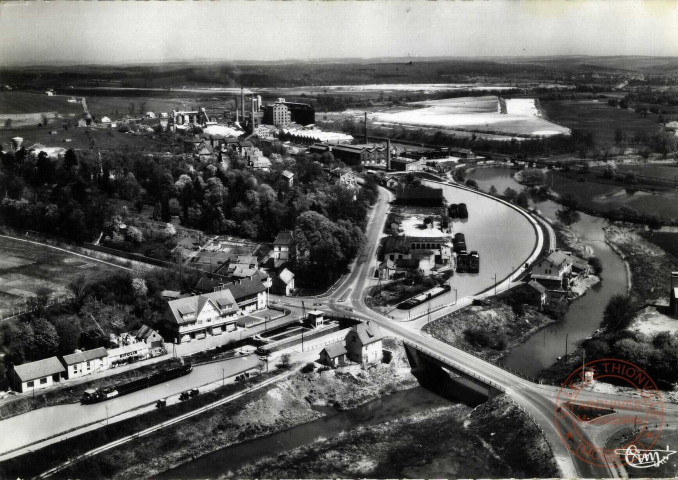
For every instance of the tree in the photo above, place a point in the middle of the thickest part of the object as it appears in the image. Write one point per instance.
(45, 340)
(492, 191)
(618, 313)
(139, 287)
(68, 330)
(597, 265)
(568, 216)
(285, 360)
(8, 123)
(510, 194)
(472, 184)
(522, 200)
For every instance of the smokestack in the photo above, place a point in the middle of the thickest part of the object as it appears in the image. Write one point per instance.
(366, 139)
(242, 102)
(16, 143)
(252, 107)
(388, 154)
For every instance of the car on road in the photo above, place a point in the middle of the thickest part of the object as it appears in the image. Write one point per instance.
(473, 262)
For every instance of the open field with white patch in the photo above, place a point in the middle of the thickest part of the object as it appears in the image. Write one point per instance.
(521, 106)
(475, 114)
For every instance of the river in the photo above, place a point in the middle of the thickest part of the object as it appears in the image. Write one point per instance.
(585, 314)
(229, 459)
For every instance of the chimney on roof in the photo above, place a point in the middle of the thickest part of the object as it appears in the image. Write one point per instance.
(366, 138)
(242, 103)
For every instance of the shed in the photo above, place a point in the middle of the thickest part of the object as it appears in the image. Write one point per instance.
(333, 355)
(315, 318)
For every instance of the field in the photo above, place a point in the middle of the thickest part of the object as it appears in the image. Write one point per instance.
(81, 138)
(606, 196)
(117, 107)
(667, 241)
(26, 268)
(25, 102)
(474, 114)
(599, 118)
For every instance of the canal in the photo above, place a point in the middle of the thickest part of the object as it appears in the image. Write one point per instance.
(585, 314)
(226, 461)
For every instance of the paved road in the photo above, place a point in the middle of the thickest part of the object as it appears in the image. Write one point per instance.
(47, 422)
(539, 401)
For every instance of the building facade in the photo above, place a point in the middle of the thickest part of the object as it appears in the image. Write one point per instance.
(201, 315)
(79, 364)
(364, 343)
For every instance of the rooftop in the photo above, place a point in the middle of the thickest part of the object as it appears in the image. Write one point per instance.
(86, 356)
(368, 333)
(335, 350)
(41, 368)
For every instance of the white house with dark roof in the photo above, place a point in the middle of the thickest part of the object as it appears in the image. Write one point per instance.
(363, 343)
(283, 245)
(201, 315)
(283, 284)
(79, 364)
(553, 268)
(148, 336)
(36, 375)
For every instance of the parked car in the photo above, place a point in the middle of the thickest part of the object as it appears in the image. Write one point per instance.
(473, 262)
(184, 396)
(459, 242)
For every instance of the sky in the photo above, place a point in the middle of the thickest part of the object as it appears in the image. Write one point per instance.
(78, 32)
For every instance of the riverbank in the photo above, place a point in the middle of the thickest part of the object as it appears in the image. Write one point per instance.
(650, 266)
(488, 331)
(301, 398)
(495, 439)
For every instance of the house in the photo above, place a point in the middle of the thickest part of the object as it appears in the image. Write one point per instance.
(533, 293)
(333, 355)
(283, 246)
(260, 163)
(283, 284)
(288, 177)
(580, 267)
(83, 363)
(363, 343)
(386, 269)
(552, 268)
(206, 154)
(407, 248)
(244, 148)
(673, 299)
(129, 353)
(148, 336)
(249, 294)
(201, 315)
(36, 375)
(315, 318)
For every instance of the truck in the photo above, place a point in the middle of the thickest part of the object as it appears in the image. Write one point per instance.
(459, 242)
(462, 262)
(473, 262)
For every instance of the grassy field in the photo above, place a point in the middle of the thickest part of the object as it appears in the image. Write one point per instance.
(104, 138)
(667, 241)
(25, 102)
(26, 268)
(598, 118)
(116, 107)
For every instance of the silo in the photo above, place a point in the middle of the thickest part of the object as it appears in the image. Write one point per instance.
(16, 142)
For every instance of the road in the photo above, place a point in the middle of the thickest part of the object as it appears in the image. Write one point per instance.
(539, 401)
(34, 426)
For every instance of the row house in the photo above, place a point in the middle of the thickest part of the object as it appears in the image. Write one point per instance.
(201, 315)
(79, 364)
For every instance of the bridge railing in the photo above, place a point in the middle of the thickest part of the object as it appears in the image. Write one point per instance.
(463, 370)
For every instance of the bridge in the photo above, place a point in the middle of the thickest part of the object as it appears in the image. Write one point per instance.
(539, 402)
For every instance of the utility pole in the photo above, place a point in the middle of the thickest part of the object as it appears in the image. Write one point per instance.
(302, 339)
(566, 337)
(495, 284)
(223, 377)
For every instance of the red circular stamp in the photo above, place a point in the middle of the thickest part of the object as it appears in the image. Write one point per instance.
(584, 414)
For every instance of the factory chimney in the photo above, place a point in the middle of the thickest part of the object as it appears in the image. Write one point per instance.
(388, 154)
(242, 103)
(366, 139)
(252, 103)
